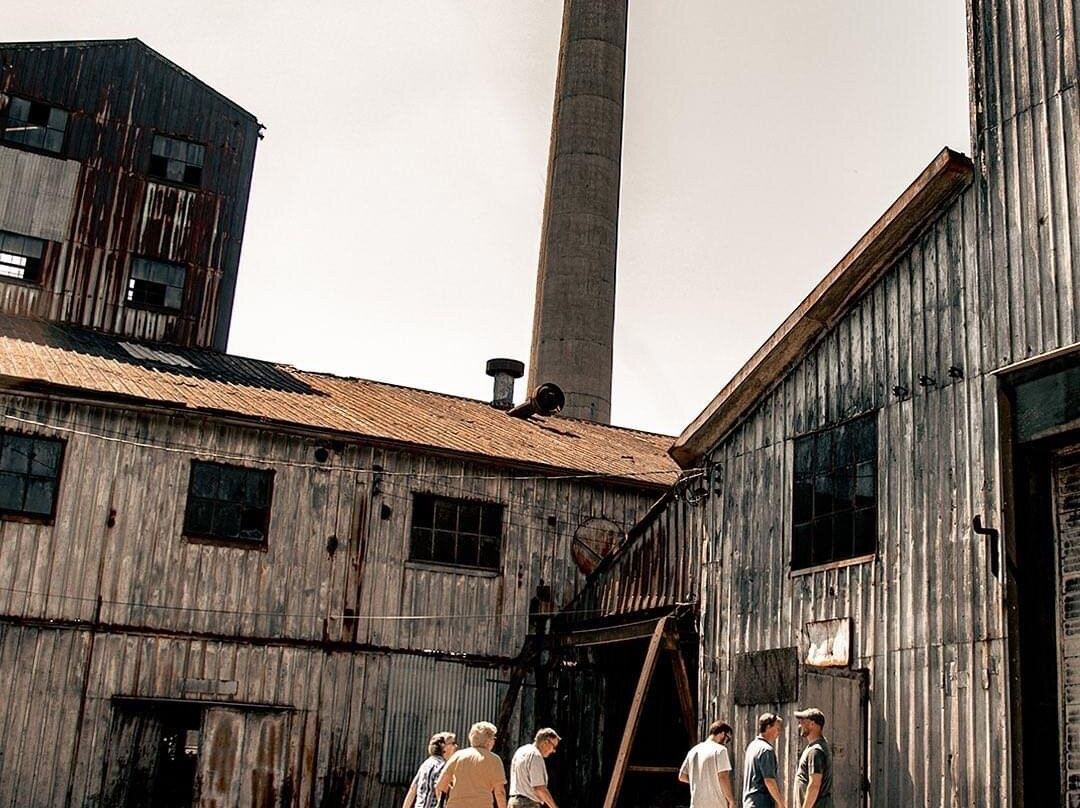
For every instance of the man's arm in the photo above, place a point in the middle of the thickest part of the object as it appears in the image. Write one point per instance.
(545, 796)
(725, 787)
(500, 795)
(410, 796)
(774, 791)
(812, 791)
(684, 771)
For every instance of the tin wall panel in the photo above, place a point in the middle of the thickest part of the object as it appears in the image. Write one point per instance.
(37, 194)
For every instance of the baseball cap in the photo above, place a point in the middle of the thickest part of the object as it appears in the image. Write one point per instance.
(813, 713)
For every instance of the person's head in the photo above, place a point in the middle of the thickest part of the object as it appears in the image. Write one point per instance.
(442, 744)
(547, 741)
(482, 735)
(811, 723)
(768, 726)
(721, 732)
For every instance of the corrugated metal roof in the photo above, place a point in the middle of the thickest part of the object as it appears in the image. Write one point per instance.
(36, 354)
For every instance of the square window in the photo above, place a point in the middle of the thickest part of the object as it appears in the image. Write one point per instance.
(463, 533)
(176, 160)
(34, 124)
(29, 474)
(834, 494)
(21, 257)
(228, 502)
(156, 284)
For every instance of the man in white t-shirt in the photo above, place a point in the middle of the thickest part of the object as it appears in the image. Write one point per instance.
(528, 772)
(707, 769)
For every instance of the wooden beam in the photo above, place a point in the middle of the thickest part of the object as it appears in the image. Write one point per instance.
(611, 634)
(683, 688)
(517, 678)
(630, 730)
(668, 770)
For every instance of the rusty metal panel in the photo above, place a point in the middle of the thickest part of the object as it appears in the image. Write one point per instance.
(1067, 507)
(425, 696)
(242, 759)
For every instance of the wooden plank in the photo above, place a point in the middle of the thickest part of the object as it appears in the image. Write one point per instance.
(612, 634)
(621, 760)
(682, 687)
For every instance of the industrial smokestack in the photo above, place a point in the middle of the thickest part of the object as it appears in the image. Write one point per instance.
(574, 320)
(504, 371)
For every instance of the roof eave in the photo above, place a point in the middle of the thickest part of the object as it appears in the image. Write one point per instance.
(948, 174)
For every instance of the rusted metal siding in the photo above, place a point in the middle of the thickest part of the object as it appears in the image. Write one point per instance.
(658, 565)
(1067, 507)
(119, 94)
(927, 612)
(121, 503)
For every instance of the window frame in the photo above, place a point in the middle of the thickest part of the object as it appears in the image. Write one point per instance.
(801, 558)
(164, 177)
(9, 515)
(197, 536)
(158, 307)
(456, 565)
(39, 265)
(5, 119)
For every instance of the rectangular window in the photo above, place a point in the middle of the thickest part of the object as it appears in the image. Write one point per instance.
(34, 124)
(228, 502)
(834, 501)
(29, 474)
(20, 257)
(456, 531)
(157, 284)
(177, 160)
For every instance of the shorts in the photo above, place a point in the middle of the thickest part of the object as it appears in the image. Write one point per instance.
(518, 801)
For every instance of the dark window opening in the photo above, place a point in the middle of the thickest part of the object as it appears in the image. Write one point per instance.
(177, 160)
(456, 531)
(20, 257)
(834, 497)
(31, 123)
(156, 284)
(228, 502)
(29, 474)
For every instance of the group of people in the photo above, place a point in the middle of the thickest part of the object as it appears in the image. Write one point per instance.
(473, 777)
(707, 767)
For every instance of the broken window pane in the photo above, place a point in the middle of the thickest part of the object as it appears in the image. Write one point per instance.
(34, 124)
(176, 160)
(29, 474)
(228, 502)
(20, 257)
(156, 284)
(467, 533)
(834, 493)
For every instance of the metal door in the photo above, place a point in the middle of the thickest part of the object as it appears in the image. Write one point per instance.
(241, 759)
(842, 695)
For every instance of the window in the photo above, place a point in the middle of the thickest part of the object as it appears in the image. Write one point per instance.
(456, 531)
(20, 257)
(176, 160)
(29, 474)
(228, 502)
(156, 284)
(35, 124)
(834, 502)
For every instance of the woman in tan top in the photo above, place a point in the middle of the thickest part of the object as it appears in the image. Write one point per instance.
(473, 776)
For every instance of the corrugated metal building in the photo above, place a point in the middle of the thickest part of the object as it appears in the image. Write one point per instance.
(890, 498)
(124, 185)
(226, 581)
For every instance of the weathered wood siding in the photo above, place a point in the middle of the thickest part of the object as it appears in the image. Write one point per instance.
(927, 613)
(111, 600)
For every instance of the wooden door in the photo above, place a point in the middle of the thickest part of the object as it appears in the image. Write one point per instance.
(841, 694)
(1067, 523)
(241, 759)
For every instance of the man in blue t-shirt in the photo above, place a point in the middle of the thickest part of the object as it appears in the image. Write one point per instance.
(761, 784)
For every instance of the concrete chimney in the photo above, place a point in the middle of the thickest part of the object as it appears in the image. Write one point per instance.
(574, 320)
(504, 371)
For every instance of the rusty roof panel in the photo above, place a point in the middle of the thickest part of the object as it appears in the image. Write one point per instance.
(35, 354)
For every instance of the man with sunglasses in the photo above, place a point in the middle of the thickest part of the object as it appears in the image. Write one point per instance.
(761, 783)
(707, 769)
(528, 772)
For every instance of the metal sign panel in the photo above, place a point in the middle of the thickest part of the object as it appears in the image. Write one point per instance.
(828, 643)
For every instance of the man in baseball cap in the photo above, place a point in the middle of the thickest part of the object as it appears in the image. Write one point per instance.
(813, 778)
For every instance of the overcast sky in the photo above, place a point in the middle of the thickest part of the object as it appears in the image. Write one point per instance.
(394, 222)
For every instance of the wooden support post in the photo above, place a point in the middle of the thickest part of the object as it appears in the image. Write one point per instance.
(683, 687)
(623, 758)
(517, 678)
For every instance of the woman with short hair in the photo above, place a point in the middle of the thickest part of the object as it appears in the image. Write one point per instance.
(422, 790)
